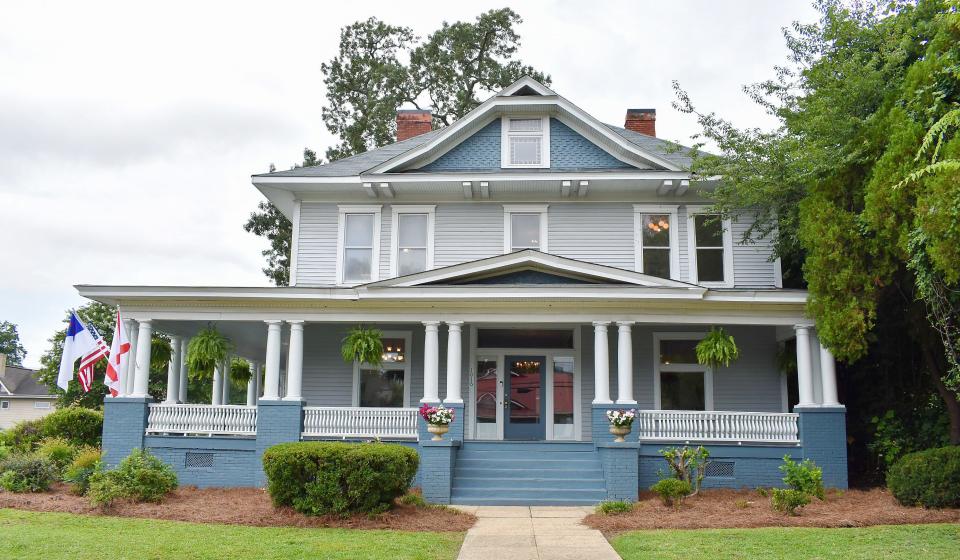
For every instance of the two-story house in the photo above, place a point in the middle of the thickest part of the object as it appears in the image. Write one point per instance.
(529, 267)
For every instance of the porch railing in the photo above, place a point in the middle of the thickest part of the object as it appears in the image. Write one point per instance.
(355, 422)
(718, 426)
(202, 419)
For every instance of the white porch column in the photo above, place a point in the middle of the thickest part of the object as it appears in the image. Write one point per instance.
(431, 363)
(625, 363)
(601, 364)
(804, 366)
(128, 375)
(216, 395)
(182, 386)
(454, 363)
(295, 363)
(828, 377)
(173, 371)
(252, 385)
(258, 377)
(225, 390)
(271, 382)
(141, 377)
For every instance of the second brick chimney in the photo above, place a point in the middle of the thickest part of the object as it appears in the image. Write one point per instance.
(643, 121)
(413, 122)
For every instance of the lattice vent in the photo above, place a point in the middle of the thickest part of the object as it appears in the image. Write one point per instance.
(720, 469)
(194, 460)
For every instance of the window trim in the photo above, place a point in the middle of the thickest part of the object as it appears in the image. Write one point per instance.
(673, 210)
(505, 135)
(430, 211)
(407, 367)
(680, 368)
(728, 277)
(36, 403)
(4, 405)
(342, 211)
(510, 209)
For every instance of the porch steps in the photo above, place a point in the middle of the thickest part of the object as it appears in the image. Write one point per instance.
(528, 473)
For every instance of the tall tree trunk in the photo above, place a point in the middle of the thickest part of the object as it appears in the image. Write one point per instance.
(936, 365)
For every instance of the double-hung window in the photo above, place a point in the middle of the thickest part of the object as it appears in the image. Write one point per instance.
(656, 243)
(680, 382)
(412, 239)
(524, 227)
(358, 244)
(711, 249)
(525, 142)
(386, 385)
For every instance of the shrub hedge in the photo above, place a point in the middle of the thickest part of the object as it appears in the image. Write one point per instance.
(27, 473)
(319, 478)
(24, 436)
(79, 426)
(140, 477)
(58, 450)
(928, 478)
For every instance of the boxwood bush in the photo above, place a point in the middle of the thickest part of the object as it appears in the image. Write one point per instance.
(928, 478)
(79, 426)
(140, 477)
(319, 478)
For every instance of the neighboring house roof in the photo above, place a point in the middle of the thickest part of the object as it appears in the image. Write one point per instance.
(22, 382)
(376, 161)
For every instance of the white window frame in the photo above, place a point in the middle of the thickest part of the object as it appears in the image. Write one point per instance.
(510, 209)
(37, 404)
(728, 278)
(673, 211)
(681, 368)
(430, 211)
(343, 210)
(4, 405)
(407, 368)
(505, 136)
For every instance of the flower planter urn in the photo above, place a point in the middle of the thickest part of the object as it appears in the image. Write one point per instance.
(620, 432)
(438, 430)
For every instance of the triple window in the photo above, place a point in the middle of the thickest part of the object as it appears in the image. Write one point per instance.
(525, 142)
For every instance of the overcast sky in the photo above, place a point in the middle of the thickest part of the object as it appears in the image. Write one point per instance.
(128, 131)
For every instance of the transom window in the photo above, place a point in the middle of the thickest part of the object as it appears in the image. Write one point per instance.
(711, 256)
(412, 239)
(525, 227)
(525, 142)
(359, 244)
(656, 240)
(386, 386)
(681, 383)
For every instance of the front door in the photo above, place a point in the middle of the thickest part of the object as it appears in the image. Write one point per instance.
(524, 399)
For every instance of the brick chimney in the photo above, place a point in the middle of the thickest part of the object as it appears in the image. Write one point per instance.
(413, 122)
(643, 121)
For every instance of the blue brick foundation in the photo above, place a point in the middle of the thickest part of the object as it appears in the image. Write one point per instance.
(824, 436)
(124, 425)
(277, 422)
(620, 463)
(437, 461)
(209, 462)
(750, 465)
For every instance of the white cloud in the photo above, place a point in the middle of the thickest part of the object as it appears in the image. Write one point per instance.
(128, 131)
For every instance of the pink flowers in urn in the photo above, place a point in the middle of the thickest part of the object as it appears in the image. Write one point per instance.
(436, 415)
(622, 417)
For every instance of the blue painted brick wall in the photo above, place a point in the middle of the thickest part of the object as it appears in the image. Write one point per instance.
(277, 422)
(456, 427)
(620, 463)
(824, 436)
(753, 465)
(437, 461)
(600, 426)
(235, 461)
(124, 425)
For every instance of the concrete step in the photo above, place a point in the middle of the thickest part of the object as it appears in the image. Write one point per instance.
(531, 481)
(583, 455)
(594, 471)
(498, 501)
(544, 493)
(528, 446)
(531, 462)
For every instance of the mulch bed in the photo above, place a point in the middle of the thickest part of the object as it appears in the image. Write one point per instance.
(240, 506)
(716, 509)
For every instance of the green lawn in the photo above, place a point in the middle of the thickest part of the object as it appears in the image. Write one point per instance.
(890, 542)
(54, 536)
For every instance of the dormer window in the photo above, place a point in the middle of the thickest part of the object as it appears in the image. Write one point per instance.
(525, 142)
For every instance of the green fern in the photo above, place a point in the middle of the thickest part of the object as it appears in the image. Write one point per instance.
(717, 348)
(207, 349)
(363, 345)
(240, 371)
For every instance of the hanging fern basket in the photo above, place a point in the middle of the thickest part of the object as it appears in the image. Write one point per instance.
(717, 349)
(364, 346)
(207, 349)
(240, 371)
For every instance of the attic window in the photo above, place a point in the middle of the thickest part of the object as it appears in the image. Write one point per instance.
(525, 142)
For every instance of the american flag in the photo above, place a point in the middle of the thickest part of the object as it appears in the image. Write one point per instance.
(85, 373)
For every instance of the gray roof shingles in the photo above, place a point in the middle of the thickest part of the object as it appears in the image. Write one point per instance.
(23, 382)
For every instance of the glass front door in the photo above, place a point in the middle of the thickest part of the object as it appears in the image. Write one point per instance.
(524, 402)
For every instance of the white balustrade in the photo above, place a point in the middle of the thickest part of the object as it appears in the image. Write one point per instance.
(686, 425)
(355, 422)
(202, 419)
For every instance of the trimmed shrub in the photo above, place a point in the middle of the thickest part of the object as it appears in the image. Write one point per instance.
(672, 491)
(24, 436)
(27, 473)
(413, 499)
(140, 477)
(86, 462)
(928, 478)
(58, 451)
(804, 476)
(319, 478)
(788, 500)
(614, 507)
(79, 426)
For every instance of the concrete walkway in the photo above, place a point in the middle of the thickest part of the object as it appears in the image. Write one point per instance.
(533, 533)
